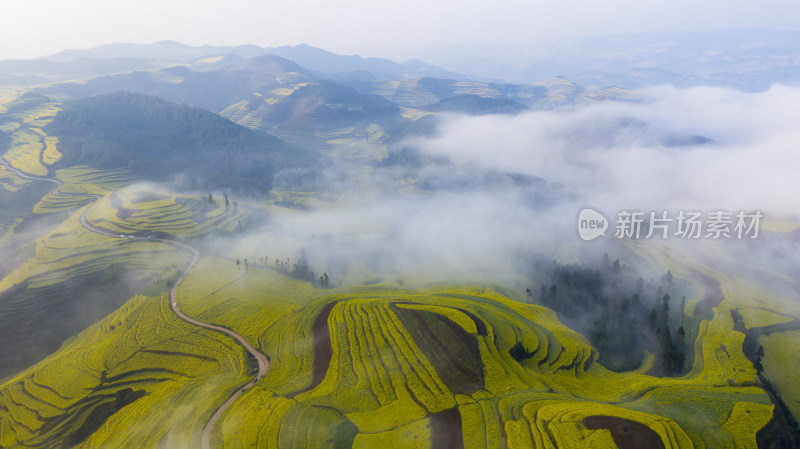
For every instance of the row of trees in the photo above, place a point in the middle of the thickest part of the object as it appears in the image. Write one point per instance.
(298, 270)
(224, 197)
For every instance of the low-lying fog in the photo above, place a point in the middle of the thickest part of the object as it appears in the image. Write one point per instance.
(515, 184)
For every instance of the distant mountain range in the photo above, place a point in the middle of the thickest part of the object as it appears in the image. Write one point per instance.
(117, 57)
(352, 116)
(749, 60)
(354, 109)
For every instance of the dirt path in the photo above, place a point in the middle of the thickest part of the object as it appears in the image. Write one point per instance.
(263, 361)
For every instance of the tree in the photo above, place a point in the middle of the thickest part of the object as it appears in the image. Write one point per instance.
(652, 319)
(664, 317)
(667, 354)
(599, 334)
(680, 350)
(301, 270)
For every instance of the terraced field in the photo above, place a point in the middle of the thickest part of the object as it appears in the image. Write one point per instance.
(403, 362)
(150, 212)
(63, 275)
(31, 149)
(368, 366)
(141, 377)
(442, 366)
(78, 410)
(68, 277)
(357, 144)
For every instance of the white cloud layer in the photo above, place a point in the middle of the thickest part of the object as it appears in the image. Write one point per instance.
(641, 155)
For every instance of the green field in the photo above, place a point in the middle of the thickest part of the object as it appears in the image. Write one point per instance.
(352, 366)
(385, 380)
(96, 355)
(138, 378)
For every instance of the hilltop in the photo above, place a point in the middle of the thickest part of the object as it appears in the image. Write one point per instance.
(156, 140)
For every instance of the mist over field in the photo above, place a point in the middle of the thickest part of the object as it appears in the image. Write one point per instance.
(671, 149)
(697, 148)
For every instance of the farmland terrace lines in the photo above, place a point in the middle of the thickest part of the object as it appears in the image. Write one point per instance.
(381, 379)
(262, 361)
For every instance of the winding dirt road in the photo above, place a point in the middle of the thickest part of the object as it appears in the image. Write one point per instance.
(263, 361)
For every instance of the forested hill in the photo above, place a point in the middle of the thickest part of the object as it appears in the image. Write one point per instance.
(158, 140)
(477, 105)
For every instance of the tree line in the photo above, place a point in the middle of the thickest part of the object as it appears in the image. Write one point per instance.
(298, 269)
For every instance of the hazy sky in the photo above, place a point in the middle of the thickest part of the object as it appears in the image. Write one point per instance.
(36, 28)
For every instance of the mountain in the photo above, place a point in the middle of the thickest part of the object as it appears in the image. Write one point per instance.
(16, 73)
(750, 60)
(156, 140)
(161, 51)
(208, 89)
(322, 62)
(267, 93)
(339, 67)
(353, 119)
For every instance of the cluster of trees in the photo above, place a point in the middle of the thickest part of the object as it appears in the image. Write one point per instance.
(620, 313)
(476, 105)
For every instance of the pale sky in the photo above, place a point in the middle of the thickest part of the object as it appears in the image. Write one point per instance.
(36, 28)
